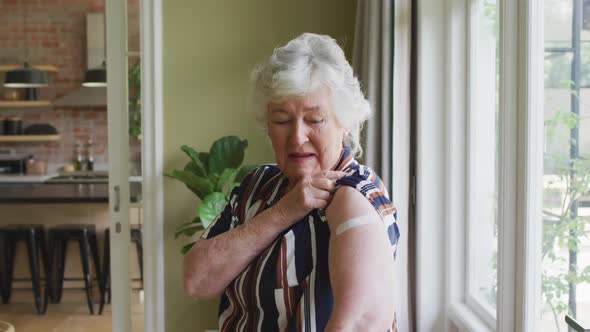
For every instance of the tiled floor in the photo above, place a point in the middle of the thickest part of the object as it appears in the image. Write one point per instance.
(71, 315)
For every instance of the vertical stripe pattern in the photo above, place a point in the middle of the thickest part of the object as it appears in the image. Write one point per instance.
(287, 287)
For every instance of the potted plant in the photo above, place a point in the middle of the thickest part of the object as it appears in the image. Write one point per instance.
(211, 176)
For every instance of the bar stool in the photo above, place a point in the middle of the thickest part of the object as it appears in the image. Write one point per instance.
(137, 238)
(2, 262)
(85, 234)
(34, 236)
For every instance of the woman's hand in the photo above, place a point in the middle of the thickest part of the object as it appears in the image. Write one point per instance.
(311, 192)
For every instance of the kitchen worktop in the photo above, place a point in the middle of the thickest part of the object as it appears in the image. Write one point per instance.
(61, 193)
(21, 178)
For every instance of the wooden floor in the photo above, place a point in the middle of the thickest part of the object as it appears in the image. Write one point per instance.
(71, 315)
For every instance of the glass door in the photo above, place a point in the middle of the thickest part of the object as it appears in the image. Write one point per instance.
(125, 282)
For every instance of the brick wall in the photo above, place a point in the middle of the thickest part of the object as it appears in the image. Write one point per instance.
(55, 33)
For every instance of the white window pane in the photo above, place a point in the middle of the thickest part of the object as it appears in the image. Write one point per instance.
(566, 179)
(558, 13)
(483, 157)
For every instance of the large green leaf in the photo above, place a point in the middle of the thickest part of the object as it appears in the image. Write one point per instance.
(226, 176)
(211, 207)
(200, 186)
(226, 152)
(199, 168)
(204, 158)
(243, 171)
(213, 178)
(186, 248)
(189, 228)
(193, 168)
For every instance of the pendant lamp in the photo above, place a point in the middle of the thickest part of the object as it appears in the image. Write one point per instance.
(96, 77)
(26, 76)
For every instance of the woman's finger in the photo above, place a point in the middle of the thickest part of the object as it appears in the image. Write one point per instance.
(320, 194)
(323, 183)
(334, 175)
(320, 203)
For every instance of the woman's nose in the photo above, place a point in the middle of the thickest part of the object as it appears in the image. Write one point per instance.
(299, 134)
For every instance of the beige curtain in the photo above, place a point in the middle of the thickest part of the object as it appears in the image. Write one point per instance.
(381, 59)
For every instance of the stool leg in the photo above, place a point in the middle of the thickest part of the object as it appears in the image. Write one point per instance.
(106, 270)
(51, 267)
(2, 263)
(10, 251)
(85, 266)
(46, 270)
(34, 267)
(139, 247)
(4, 272)
(94, 251)
(62, 247)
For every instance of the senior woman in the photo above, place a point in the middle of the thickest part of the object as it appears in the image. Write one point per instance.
(307, 244)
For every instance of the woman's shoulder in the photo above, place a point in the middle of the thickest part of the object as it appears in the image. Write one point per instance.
(256, 179)
(264, 172)
(364, 180)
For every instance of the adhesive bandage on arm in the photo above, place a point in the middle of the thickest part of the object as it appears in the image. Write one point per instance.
(365, 219)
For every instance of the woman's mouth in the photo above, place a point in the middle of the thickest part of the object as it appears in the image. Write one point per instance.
(301, 156)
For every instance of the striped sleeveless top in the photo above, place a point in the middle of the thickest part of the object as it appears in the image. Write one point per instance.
(287, 287)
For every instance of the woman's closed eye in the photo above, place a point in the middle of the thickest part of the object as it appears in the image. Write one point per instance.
(315, 121)
(280, 121)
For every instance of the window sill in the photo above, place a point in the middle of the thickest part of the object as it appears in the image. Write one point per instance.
(465, 319)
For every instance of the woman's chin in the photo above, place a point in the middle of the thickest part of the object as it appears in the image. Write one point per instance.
(299, 173)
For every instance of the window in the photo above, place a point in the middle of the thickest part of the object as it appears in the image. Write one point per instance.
(508, 163)
(566, 174)
(482, 158)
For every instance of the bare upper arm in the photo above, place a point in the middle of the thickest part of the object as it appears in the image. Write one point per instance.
(360, 260)
(348, 203)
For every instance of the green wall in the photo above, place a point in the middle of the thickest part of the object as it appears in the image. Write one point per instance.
(209, 49)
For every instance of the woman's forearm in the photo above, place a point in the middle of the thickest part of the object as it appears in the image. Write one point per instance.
(359, 321)
(212, 264)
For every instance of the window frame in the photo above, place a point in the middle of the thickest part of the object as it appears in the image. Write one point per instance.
(463, 311)
(483, 310)
(442, 28)
(529, 228)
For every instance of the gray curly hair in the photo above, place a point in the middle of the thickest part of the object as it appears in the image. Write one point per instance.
(303, 65)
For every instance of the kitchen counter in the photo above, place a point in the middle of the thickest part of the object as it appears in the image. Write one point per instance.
(23, 178)
(61, 193)
(20, 178)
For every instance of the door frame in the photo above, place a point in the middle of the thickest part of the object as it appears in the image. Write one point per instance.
(117, 105)
(152, 160)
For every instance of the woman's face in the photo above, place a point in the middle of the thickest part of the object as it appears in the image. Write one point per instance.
(305, 134)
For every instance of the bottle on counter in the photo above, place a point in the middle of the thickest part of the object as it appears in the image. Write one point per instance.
(89, 156)
(78, 161)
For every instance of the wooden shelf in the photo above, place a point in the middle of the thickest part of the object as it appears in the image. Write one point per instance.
(48, 68)
(29, 138)
(25, 103)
